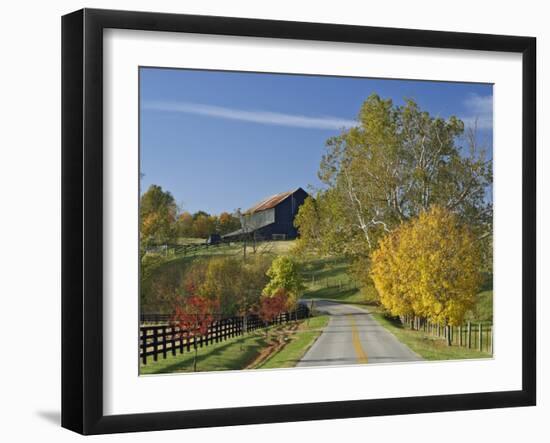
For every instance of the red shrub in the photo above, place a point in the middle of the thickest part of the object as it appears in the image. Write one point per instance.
(272, 307)
(195, 315)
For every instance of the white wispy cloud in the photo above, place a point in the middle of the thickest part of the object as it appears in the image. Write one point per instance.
(253, 116)
(479, 111)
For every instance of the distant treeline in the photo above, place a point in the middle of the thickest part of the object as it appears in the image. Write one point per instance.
(201, 224)
(161, 221)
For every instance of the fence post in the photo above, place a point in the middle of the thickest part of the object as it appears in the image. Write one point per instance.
(173, 341)
(164, 342)
(144, 345)
(480, 337)
(155, 343)
(469, 337)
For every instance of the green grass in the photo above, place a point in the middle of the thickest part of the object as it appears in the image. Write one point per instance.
(428, 347)
(158, 261)
(190, 240)
(232, 354)
(328, 278)
(300, 341)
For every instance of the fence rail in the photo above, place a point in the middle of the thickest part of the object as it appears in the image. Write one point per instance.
(155, 318)
(478, 336)
(162, 340)
(186, 249)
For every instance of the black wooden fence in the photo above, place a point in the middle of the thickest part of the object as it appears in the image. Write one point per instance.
(162, 340)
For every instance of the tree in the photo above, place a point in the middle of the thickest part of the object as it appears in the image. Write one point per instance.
(308, 223)
(157, 212)
(227, 223)
(245, 228)
(223, 282)
(322, 225)
(396, 163)
(159, 294)
(199, 214)
(234, 285)
(273, 306)
(204, 225)
(253, 279)
(184, 224)
(428, 267)
(194, 316)
(284, 275)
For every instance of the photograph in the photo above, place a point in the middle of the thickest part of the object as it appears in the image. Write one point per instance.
(293, 221)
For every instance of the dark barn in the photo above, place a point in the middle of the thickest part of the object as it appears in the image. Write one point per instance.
(272, 218)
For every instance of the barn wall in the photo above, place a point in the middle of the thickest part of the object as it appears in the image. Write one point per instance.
(285, 212)
(282, 215)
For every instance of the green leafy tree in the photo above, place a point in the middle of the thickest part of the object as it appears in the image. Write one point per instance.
(223, 283)
(396, 163)
(157, 217)
(284, 274)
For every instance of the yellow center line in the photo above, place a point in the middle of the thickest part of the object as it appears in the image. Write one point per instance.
(359, 351)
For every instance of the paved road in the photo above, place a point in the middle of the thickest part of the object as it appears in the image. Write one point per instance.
(353, 336)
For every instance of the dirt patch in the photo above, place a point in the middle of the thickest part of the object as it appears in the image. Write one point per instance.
(277, 340)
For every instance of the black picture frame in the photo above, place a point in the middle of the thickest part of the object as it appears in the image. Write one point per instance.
(82, 218)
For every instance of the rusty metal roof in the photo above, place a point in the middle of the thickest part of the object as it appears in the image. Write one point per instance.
(270, 202)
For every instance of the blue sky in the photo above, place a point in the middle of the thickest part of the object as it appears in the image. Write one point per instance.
(223, 140)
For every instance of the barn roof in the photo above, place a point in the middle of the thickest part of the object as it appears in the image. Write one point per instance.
(271, 202)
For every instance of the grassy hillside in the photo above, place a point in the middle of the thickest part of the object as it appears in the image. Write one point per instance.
(330, 278)
(162, 273)
(324, 277)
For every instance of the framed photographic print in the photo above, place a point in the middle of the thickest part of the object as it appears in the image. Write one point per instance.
(269, 221)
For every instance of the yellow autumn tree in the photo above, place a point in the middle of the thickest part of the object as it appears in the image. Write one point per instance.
(428, 267)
